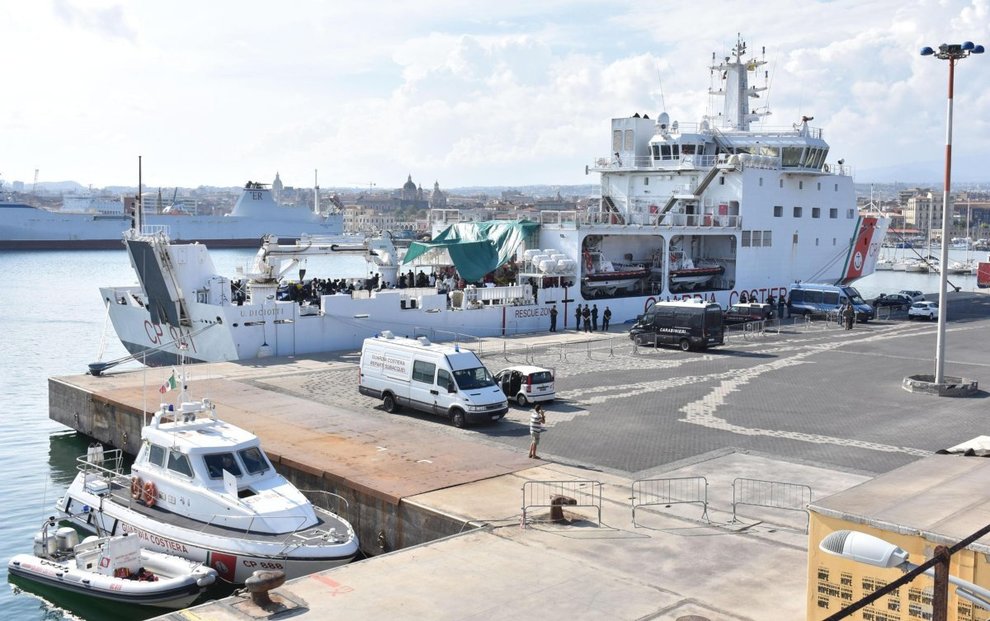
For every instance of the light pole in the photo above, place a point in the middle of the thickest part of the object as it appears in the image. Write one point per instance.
(951, 52)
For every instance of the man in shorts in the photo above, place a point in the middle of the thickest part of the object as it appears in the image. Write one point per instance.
(537, 420)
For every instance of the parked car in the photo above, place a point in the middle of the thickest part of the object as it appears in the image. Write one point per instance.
(526, 384)
(916, 296)
(924, 309)
(900, 301)
(746, 312)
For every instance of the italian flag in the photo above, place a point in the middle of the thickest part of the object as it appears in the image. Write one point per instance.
(169, 384)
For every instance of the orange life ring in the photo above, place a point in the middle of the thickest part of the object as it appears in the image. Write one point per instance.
(136, 488)
(149, 494)
(587, 262)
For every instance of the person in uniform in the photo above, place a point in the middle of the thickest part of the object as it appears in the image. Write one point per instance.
(553, 318)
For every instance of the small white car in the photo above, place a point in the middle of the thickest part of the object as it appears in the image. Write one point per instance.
(925, 309)
(526, 384)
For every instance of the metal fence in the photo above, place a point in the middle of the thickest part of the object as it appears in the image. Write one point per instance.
(693, 490)
(771, 494)
(542, 493)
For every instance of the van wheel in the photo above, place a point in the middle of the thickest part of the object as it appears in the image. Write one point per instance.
(521, 400)
(685, 345)
(388, 401)
(457, 418)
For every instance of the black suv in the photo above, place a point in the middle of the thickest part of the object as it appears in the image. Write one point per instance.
(746, 312)
(893, 300)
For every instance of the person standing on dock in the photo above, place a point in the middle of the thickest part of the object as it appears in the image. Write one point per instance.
(594, 318)
(537, 420)
(606, 318)
(849, 315)
(577, 318)
(586, 315)
(553, 318)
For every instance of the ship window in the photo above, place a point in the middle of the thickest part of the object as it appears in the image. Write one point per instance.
(665, 151)
(781, 182)
(656, 151)
(761, 182)
(629, 140)
(767, 238)
(687, 149)
(156, 455)
(218, 462)
(746, 237)
(721, 180)
(254, 460)
(616, 140)
(800, 185)
(797, 212)
(178, 462)
(833, 213)
(778, 211)
(646, 181)
(791, 156)
(794, 238)
(423, 371)
(835, 242)
(816, 212)
(819, 186)
(757, 239)
(816, 241)
(836, 187)
(850, 214)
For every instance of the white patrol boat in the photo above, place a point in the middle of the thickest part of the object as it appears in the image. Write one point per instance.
(204, 489)
(115, 568)
(709, 210)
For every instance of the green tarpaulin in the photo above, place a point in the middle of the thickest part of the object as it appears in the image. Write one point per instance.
(475, 248)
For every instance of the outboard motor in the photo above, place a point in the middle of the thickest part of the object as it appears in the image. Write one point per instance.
(67, 539)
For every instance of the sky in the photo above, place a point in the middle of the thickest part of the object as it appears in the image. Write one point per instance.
(505, 93)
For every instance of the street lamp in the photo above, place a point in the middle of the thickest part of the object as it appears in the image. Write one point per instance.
(871, 550)
(951, 52)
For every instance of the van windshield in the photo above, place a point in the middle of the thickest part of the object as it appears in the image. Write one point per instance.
(468, 379)
(854, 296)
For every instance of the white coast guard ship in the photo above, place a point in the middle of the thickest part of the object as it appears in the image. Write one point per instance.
(255, 214)
(709, 210)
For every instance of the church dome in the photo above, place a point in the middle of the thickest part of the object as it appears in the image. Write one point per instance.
(409, 185)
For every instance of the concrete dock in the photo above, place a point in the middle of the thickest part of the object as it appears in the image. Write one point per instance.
(811, 406)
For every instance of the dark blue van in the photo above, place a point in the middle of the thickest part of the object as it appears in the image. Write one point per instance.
(815, 299)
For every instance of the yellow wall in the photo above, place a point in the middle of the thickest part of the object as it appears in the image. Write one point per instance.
(834, 582)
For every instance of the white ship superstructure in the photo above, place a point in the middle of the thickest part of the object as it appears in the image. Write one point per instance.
(711, 210)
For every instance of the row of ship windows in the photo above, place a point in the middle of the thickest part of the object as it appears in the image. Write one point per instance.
(816, 212)
(757, 239)
(721, 181)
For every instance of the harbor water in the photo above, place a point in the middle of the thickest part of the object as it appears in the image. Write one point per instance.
(53, 323)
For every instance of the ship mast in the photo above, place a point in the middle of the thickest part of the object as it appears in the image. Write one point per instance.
(736, 114)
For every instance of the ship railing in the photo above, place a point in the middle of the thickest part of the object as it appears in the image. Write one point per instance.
(102, 464)
(154, 230)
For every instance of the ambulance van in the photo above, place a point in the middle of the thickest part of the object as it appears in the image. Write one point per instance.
(439, 379)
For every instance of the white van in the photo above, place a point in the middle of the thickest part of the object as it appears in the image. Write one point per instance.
(440, 379)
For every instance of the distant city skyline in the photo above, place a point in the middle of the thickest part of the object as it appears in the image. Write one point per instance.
(469, 95)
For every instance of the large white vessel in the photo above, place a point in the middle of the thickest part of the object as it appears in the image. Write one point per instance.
(255, 214)
(203, 489)
(709, 211)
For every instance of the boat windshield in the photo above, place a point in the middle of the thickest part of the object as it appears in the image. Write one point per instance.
(216, 463)
(254, 460)
(468, 379)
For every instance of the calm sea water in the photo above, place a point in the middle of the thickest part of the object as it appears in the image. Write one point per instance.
(52, 323)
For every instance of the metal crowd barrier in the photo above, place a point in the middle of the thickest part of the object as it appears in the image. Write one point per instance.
(646, 492)
(541, 494)
(771, 494)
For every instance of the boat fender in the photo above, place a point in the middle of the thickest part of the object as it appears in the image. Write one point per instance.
(150, 494)
(136, 487)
